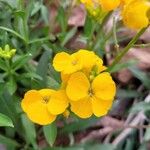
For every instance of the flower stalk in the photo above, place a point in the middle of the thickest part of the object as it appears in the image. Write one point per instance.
(126, 49)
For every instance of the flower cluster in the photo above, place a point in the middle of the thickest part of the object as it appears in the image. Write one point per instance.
(86, 89)
(135, 13)
(7, 53)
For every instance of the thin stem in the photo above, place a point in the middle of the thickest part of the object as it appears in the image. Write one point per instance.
(126, 49)
(39, 40)
(13, 32)
(115, 35)
(142, 45)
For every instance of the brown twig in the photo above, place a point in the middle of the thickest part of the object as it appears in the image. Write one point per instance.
(140, 117)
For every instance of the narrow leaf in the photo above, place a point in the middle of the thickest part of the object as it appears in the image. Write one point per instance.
(5, 121)
(50, 133)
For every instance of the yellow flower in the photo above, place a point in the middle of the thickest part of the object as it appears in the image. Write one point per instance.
(124, 2)
(135, 14)
(67, 64)
(109, 5)
(44, 105)
(88, 97)
(88, 2)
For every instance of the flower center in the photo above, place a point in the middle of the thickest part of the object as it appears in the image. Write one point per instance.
(46, 99)
(90, 92)
(74, 62)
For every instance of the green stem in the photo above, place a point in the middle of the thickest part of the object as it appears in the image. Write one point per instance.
(142, 45)
(115, 35)
(39, 40)
(126, 49)
(13, 32)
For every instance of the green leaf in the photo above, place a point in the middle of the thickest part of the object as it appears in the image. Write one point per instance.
(141, 106)
(3, 65)
(79, 125)
(42, 70)
(21, 61)
(121, 66)
(9, 108)
(11, 85)
(89, 27)
(45, 14)
(52, 83)
(5, 121)
(7, 141)
(50, 133)
(36, 7)
(99, 147)
(11, 3)
(20, 13)
(29, 130)
(147, 134)
(122, 93)
(31, 75)
(85, 147)
(13, 32)
(142, 76)
(68, 36)
(61, 17)
(66, 148)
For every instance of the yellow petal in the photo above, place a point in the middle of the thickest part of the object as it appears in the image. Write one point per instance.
(38, 113)
(61, 60)
(100, 107)
(64, 79)
(82, 108)
(35, 107)
(46, 92)
(78, 86)
(58, 102)
(104, 87)
(88, 58)
(135, 14)
(30, 97)
(109, 5)
(74, 65)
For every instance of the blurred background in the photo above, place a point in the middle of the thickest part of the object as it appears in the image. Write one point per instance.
(38, 29)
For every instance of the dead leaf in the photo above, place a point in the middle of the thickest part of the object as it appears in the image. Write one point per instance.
(78, 16)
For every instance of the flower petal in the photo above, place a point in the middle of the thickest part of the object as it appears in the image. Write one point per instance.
(109, 4)
(35, 108)
(58, 102)
(38, 113)
(100, 107)
(46, 92)
(85, 55)
(104, 87)
(30, 97)
(82, 108)
(61, 61)
(132, 10)
(78, 86)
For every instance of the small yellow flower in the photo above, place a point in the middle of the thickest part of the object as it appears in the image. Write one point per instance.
(93, 97)
(43, 106)
(67, 64)
(109, 5)
(135, 14)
